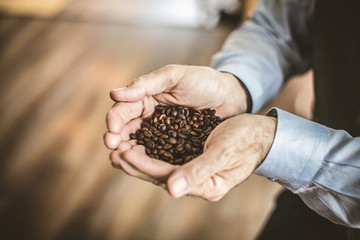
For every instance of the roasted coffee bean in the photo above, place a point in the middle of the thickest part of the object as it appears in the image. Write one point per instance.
(176, 134)
(140, 136)
(145, 124)
(167, 146)
(164, 136)
(179, 161)
(172, 133)
(179, 147)
(162, 116)
(181, 141)
(147, 133)
(168, 121)
(174, 113)
(163, 127)
(172, 140)
(188, 158)
(182, 116)
(169, 155)
(187, 147)
(193, 133)
(161, 141)
(185, 131)
(150, 144)
(182, 135)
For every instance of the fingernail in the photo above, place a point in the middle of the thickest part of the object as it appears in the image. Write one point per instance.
(179, 186)
(119, 89)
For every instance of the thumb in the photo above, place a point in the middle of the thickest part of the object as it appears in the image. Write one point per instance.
(194, 173)
(150, 84)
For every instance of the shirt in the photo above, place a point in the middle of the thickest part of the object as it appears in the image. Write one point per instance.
(320, 164)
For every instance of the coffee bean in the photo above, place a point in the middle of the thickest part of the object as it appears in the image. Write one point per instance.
(181, 141)
(161, 141)
(188, 158)
(164, 136)
(176, 134)
(163, 127)
(162, 116)
(167, 154)
(145, 124)
(182, 116)
(168, 121)
(172, 133)
(140, 136)
(179, 161)
(147, 133)
(185, 131)
(157, 133)
(174, 113)
(179, 147)
(182, 135)
(150, 144)
(193, 133)
(167, 146)
(172, 140)
(187, 147)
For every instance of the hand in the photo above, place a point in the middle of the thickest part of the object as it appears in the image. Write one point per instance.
(232, 152)
(192, 86)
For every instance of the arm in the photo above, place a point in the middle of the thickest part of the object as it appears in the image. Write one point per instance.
(268, 48)
(324, 171)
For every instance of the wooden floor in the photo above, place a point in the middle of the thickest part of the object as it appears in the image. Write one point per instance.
(56, 180)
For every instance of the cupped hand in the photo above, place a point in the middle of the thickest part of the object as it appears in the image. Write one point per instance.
(232, 152)
(192, 86)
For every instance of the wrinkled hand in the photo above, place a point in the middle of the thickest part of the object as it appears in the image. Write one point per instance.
(232, 152)
(192, 86)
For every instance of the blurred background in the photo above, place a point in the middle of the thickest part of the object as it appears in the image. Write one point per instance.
(58, 61)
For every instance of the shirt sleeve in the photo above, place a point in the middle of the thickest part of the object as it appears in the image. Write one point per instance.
(320, 164)
(272, 45)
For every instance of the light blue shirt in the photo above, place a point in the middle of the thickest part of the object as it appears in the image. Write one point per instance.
(320, 164)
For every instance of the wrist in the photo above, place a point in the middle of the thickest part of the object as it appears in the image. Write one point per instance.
(239, 93)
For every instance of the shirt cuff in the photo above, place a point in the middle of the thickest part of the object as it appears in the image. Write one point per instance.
(297, 152)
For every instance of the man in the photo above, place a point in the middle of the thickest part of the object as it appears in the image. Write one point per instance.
(315, 161)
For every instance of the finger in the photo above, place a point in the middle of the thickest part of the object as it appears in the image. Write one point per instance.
(130, 170)
(111, 140)
(124, 146)
(150, 84)
(130, 127)
(196, 172)
(155, 168)
(121, 113)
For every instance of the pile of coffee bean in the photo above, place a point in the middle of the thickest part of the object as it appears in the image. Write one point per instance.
(176, 134)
